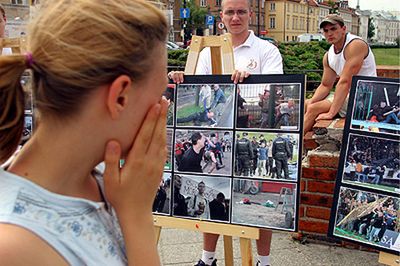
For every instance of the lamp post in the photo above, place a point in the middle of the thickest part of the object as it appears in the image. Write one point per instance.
(258, 17)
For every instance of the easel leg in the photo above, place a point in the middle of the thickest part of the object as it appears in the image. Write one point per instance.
(228, 250)
(245, 250)
(157, 230)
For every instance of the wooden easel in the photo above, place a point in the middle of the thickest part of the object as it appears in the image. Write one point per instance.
(222, 63)
(17, 45)
(389, 259)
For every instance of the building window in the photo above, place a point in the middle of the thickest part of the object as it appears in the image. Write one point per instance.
(288, 22)
(218, 2)
(18, 2)
(203, 3)
(272, 23)
(272, 6)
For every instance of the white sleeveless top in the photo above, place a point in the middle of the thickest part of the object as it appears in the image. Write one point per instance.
(83, 232)
(337, 61)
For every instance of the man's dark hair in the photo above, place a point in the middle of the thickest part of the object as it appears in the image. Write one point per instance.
(201, 182)
(220, 195)
(195, 137)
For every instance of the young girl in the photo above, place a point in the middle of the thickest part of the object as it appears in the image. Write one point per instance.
(99, 70)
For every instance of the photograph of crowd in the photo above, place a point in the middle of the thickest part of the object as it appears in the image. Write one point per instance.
(266, 155)
(372, 162)
(203, 151)
(377, 107)
(275, 106)
(201, 197)
(162, 200)
(205, 105)
(368, 218)
(168, 163)
(264, 204)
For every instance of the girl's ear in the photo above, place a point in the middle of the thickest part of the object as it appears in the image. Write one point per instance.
(117, 97)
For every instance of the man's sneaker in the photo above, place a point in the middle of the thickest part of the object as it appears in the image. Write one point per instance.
(220, 166)
(201, 263)
(259, 263)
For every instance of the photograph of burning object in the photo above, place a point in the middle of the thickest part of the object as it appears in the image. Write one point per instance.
(271, 106)
(264, 204)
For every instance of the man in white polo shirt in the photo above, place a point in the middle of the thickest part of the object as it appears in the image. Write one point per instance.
(252, 56)
(349, 55)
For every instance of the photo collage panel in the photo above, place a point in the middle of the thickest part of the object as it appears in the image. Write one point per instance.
(367, 190)
(234, 151)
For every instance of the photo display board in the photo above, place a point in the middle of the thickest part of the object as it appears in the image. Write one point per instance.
(234, 151)
(366, 203)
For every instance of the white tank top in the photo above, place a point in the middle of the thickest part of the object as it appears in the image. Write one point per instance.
(337, 61)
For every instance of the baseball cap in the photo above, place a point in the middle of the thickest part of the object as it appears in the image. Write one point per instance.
(332, 19)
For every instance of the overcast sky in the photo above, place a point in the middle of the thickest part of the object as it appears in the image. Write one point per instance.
(388, 5)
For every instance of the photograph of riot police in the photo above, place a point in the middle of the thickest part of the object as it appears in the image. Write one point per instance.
(203, 151)
(372, 162)
(205, 105)
(369, 218)
(205, 198)
(163, 197)
(267, 155)
(169, 94)
(275, 106)
(377, 107)
(168, 162)
(267, 204)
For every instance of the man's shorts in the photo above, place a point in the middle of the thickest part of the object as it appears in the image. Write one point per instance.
(343, 110)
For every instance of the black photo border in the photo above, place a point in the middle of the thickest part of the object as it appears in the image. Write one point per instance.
(345, 142)
(252, 79)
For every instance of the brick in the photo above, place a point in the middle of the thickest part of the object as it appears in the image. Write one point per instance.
(303, 185)
(302, 211)
(340, 123)
(323, 161)
(323, 174)
(313, 226)
(318, 213)
(309, 142)
(322, 123)
(319, 173)
(316, 200)
(321, 187)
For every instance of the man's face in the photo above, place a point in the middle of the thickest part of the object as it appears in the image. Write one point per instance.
(236, 15)
(177, 182)
(201, 187)
(334, 33)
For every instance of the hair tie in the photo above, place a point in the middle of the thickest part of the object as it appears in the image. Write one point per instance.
(29, 59)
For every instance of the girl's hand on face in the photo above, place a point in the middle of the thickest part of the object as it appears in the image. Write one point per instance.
(133, 187)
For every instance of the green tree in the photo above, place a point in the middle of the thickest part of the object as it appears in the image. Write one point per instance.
(334, 7)
(197, 17)
(371, 28)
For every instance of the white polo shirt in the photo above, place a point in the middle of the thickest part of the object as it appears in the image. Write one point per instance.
(255, 56)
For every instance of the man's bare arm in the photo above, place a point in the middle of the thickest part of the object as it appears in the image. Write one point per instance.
(328, 79)
(354, 53)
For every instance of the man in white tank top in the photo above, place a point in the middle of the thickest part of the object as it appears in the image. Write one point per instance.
(349, 55)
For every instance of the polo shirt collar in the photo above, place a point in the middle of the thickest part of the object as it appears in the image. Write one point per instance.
(249, 41)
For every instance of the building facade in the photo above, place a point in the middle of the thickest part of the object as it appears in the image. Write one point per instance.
(287, 19)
